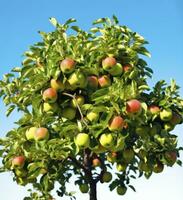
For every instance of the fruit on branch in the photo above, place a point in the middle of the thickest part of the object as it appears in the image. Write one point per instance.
(158, 167)
(143, 166)
(128, 155)
(171, 157)
(82, 140)
(121, 190)
(67, 65)
(112, 157)
(133, 106)
(116, 70)
(79, 100)
(107, 177)
(176, 119)
(168, 126)
(108, 63)
(84, 188)
(106, 140)
(104, 81)
(92, 116)
(155, 110)
(116, 123)
(96, 162)
(166, 114)
(127, 67)
(77, 80)
(142, 131)
(30, 133)
(50, 95)
(41, 134)
(121, 167)
(18, 161)
(155, 129)
(92, 82)
(69, 113)
(57, 85)
(50, 107)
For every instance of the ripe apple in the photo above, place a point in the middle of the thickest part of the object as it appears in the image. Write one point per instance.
(106, 140)
(176, 119)
(168, 126)
(116, 70)
(92, 82)
(107, 177)
(92, 116)
(79, 100)
(127, 67)
(50, 107)
(84, 188)
(121, 167)
(69, 113)
(96, 162)
(128, 155)
(104, 81)
(166, 114)
(30, 133)
(171, 157)
(133, 106)
(112, 157)
(154, 109)
(18, 161)
(67, 65)
(57, 85)
(142, 131)
(108, 63)
(50, 95)
(121, 190)
(41, 134)
(77, 80)
(82, 140)
(116, 123)
(158, 167)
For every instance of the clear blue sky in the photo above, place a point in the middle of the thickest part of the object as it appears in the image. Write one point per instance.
(159, 21)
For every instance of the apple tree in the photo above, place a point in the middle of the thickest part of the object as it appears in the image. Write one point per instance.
(88, 112)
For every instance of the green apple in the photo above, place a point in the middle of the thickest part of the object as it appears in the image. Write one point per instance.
(108, 63)
(116, 123)
(69, 113)
(50, 107)
(121, 190)
(77, 80)
(143, 166)
(92, 116)
(84, 188)
(18, 161)
(78, 101)
(112, 157)
(82, 140)
(116, 70)
(67, 65)
(106, 140)
(41, 134)
(57, 85)
(121, 167)
(142, 131)
(166, 114)
(128, 155)
(104, 81)
(30, 133)
(50, 95)
(107, 177)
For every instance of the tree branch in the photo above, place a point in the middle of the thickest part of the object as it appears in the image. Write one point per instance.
(103, 170)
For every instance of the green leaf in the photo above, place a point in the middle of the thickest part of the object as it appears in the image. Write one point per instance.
(53, 21)
(132, 187)
(99, 21)
(10, 110)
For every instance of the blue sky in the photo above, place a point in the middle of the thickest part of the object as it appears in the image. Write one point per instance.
(160, 22)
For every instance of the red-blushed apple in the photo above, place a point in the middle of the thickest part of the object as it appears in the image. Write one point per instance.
(50, 95)
(116, 123)
(121, 190)
(96, 162)
(84, 188)
(104, 81)
(133, 106)
(154, 109)
(41, 134)
(30, 133)
(78, 101)
(67, 65)
(176, 119)
(108, 63)
(18, 161)
(50, 107)
(106, 140)
(92, 116)
(57, 85)
(127, 67)
(166, 114)
(107, 177)
(171, 157)
(69, 113)
(77, 80)
(128, 155)
(112, 157)
(158, 167)
(92, 82)
(82, 140)
(121, 167)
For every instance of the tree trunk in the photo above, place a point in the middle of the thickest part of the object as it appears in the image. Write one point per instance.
(93, 191)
